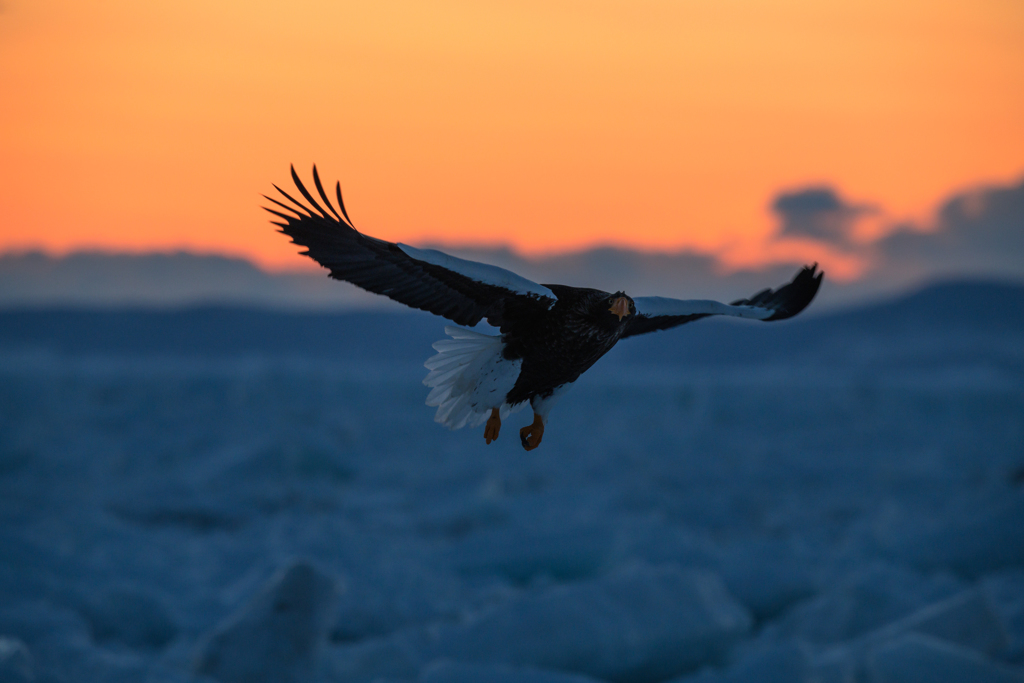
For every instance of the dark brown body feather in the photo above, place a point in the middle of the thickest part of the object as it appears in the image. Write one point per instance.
(560, 344)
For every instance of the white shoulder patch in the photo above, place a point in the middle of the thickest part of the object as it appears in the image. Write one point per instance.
(481, 272)
(653, 306)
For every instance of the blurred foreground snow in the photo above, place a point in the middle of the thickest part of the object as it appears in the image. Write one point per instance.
(847, 510)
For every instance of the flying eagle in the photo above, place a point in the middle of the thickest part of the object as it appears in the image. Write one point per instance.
(550, 334)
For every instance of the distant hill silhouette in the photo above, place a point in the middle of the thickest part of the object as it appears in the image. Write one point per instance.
(99, 279)
(155, 280)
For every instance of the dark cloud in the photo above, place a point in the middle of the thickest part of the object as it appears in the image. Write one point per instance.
(980, 231)
(818, 213)
(92, 278)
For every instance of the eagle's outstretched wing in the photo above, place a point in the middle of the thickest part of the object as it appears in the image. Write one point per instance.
(659, 313)
(462, 291)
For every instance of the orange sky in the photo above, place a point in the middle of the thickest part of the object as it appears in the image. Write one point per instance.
(544, 125)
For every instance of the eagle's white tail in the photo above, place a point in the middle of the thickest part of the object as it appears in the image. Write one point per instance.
(469, 377)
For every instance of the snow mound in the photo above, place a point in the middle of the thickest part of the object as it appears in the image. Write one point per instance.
(766, 575)
(15, 661)
(914, 657)
(277, 636)
(644, 624)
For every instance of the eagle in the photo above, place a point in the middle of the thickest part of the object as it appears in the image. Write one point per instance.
(549, 334)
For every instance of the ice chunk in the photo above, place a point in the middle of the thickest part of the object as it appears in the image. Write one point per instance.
(966, 619)
(914, 657)
(15, 661)
(870, 598)
(646, 624)
(130, 616)
(445, 671)
(277, 636)
(766, 574)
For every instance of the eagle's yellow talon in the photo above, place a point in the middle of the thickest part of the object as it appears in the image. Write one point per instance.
(493, 426)
(531, 435)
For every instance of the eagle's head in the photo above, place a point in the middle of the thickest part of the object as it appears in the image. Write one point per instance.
(616, 308)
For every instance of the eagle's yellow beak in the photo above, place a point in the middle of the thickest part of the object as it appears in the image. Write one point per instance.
(620, 307)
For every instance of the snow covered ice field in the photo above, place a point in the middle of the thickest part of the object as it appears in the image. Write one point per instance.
(243, 496)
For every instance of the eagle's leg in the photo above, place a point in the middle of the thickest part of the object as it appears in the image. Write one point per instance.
(532, 434)
(493, 426)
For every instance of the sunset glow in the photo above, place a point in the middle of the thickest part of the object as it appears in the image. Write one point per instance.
(656, 125)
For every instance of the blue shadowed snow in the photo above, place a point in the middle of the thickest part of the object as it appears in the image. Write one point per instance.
(223, 494)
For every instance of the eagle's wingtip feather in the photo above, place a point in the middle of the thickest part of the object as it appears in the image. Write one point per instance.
(307, 195)
(341, 204)
(323, 195)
